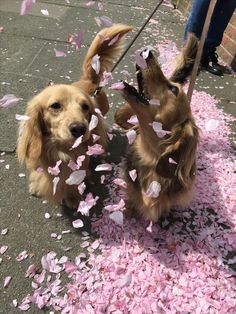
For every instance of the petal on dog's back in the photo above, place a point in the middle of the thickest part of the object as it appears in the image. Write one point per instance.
(76, 177)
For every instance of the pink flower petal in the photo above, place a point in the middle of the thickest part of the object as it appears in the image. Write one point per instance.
(117, 86)
(3, 249)
(103, 178)
(133, 120)
(103, 37)
(103, 167)
(100, 6)
(31, 271)
(125, 281)
(78, 223)
(54, 184)
(96, 63)
(114, 40)
(95, 137)
(78, 40)
(120, 182)
(72, 165)
(149, 227)
(145, 54)
(7, 281)
(96, 149)
(4, 231)
(90, 4)
(155, 102)
(81, 188)
(45, 12)
(23, 255)
(140, 61)
(77, 142)
(55, 170)
(211, 125)
(8, 101)
(76, 177)
(131, 135)
(172, 161)
(133, 174)
(1, 30)
(104, 21)
(117, 217)
(107, 76)
(116, 207)
(59, 53)
(153, 189)
(26, 6)
(93, 122)
(21, 117)
(157, 127)
(87, 204)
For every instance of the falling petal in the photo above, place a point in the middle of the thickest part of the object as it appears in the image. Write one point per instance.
(77, 142)
(54, 184)
(23, 255)
(45, 12)
(3, 249)
(55, 170)
(20, 117)
(93, 122)
(26, 6)
(59, 53)
(117, 217)
(133, 120)
(81, 188)
(78, 223)
(87, 204)
(116, 207)
(114, 40)
(155, 102)
(117, 86)
(133, 174)
(149, 227)
(140, 61)
(76, 177)
(104, 21)
(103, 37)
(104, 167)
(8, 101)
(120, 182)
(96, 149)
(153, 189)
(172, 161)
(96, 63)
(131, 135)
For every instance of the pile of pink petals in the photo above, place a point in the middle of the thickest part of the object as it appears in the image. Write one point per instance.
(181, 265)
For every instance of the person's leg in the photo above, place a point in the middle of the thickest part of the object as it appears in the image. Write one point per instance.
(197, 18)
(222, 14)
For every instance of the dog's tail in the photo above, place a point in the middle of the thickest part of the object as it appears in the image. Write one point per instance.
(108, 46)
(186, 60)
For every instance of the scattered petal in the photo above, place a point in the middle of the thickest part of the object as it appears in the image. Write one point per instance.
(81, 188)
(116, 207)
(76, 177)
(77, 142)
(23, 255)
(96, 63)
(125, 281)
(120, 182)
(149, 227)
(103, 167)
(21, 117)
(54, 184)
(3, 249)
(131, 135)
(59, 53)
(96, 149)
(45, 12)
(55, 170)
(117, 86)
(7, 281)
(93, 122)
(117, 217)
(87, 204)
(78, 223)
(211, 125)
(8, 101)
(133, 174)
(26, 6)
(133, 120)
(153, 189)
(172, 161)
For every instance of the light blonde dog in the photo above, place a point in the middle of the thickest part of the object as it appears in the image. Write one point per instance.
(167, 159)
(60, 114)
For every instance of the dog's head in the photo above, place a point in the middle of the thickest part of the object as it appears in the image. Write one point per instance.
(60, 114)
(164, 101)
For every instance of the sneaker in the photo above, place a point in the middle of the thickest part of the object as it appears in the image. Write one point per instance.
(210, 64)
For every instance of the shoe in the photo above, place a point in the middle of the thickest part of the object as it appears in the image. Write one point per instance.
(210, 64)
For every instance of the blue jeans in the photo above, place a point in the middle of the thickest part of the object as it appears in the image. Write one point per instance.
(223, 11)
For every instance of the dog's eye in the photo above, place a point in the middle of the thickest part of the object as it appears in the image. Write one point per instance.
(56, 106)
(85, 107)
(174, 89)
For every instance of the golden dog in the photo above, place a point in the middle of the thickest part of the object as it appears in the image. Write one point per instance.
(60, 114)
(164, 152)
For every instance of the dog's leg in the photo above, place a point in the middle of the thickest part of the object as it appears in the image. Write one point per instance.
(122, 115)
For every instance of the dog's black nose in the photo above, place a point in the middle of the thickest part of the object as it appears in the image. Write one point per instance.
(77, 129)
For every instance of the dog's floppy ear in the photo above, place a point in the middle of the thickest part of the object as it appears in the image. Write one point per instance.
(178, 158)
(30, 134)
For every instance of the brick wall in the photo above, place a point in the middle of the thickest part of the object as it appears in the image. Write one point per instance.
(227, 49)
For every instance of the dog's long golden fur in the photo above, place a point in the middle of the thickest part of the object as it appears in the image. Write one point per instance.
(60, 114)
(168, 160)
